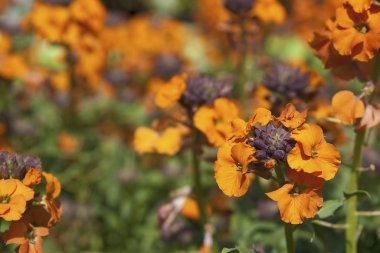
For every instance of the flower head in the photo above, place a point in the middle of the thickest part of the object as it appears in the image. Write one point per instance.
(300, 198)
(13, 196)
(357, 34)
(231, 168)
(286, 79)
(312, 154)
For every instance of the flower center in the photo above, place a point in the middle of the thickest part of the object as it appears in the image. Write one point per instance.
(239, 167)
(4, 199)
(314, 153)
(297, 189)
(362, 28)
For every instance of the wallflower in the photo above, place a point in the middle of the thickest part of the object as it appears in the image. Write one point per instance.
(52, 204)
(287, 144)
(67, 143)
(48, 21)
(347, 107)
(231, 168)
(13, 66)
(90, 13)
(13, 195)
(32, 177)
(269, 11)
(214, 122)
(147, 140)
(312, 154)
(27, 236)
(341, 65)
(357, 34)
(171, 92)
(300, 198)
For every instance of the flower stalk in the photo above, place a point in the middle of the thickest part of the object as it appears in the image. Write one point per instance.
(197, 179)
(351, 218)
(288, 228)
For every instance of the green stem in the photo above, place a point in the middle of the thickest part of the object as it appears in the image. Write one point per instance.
(289, 238)
(351, 218)
(197, 180)
(287, 227)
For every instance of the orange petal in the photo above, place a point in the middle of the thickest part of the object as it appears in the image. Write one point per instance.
(260, 116)
(347, 107)
(144, 139)
(170, 141)
(291, 118)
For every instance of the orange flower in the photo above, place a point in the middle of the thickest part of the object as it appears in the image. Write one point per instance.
(27, 236)
(214, 122)
(269, 11)
(299, 199)
(171, 92)
(91, 13)
(231, 168)
(67, 143)
(190, 209)
(13, 66)
(49, 21)
(312, 154)
(291, 118)
(260, 116)
(32, 177)
(357, 34)
(347, 107)
(147, 140)
(52, 204)
(341, 65)
(13, 195)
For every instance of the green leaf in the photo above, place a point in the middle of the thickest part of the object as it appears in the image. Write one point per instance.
(228, 250)
(329, 208)
(4, 225)
(357, 193)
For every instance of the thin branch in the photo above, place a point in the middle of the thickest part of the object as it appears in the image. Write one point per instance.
(329, 225)
(368, 213)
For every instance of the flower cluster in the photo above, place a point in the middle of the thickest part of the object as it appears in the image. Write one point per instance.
(28, 209)
(202, 100)
(352, 35)
(286, 146)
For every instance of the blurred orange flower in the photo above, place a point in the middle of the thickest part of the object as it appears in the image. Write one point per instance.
(231, 168)
(67, 143)
(147, 140)
(347, 107)
(299, 199)
(171, 92)
(312, 154)
(214, 122)
(13, 195)
(269, 11)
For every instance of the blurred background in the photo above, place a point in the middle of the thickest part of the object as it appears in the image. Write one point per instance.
(78, 77)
